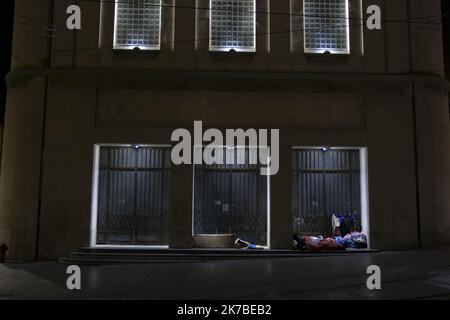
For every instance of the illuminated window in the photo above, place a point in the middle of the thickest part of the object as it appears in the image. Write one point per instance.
(326, 26)
(137, 24)
(232, 25)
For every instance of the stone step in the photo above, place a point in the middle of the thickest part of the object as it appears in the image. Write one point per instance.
(89, 256)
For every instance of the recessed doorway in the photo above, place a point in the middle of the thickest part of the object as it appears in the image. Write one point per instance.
(330, 182)
(231, 200)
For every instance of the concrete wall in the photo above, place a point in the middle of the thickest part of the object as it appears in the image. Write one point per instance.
(380, 97)
(21, 167)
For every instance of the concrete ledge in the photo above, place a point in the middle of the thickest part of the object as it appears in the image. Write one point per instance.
(101, 256)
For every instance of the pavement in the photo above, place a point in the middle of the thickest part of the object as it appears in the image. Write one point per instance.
(422, 274)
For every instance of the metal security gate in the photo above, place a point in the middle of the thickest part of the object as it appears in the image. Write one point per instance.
(326, 182)
(231, 199)
(133, 189)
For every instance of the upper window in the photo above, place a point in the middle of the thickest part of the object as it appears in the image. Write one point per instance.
(232, 25)
(326, 26)
(137, 24)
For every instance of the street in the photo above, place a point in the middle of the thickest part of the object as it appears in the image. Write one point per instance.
(404, 275)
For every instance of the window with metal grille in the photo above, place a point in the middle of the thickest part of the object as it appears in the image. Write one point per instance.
(326, 183)
(326, 26)
(232, 25)
(133, 190)
(231, 198)
(137, 24)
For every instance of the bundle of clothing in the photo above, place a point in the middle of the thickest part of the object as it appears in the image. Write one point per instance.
(344, 224)
(316, 243)
(354, 240)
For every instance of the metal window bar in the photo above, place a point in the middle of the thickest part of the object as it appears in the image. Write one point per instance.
(325, 183)
(326, 26)
(133, 196)
(137, 24)
(232, 25)
(231, 199)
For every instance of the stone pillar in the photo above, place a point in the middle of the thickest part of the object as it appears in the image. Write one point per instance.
(433, 161)
(184, 44)
(281, 204)
(21, 167)
(22, 144)
(180, 211)
(280, 35)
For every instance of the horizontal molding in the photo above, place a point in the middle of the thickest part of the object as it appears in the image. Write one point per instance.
(134, 75)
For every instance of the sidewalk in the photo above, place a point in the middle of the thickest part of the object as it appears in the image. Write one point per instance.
(405, 275)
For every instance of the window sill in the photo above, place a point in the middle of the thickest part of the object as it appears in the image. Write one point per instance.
(231, 52)
(328, 57)
(136, 51)
(232, 57)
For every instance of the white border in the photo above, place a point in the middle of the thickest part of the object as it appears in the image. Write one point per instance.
(94, 197)
(94, 200)
(332, 51)
(365, 218)
(153, 47)
(362, 26)
(228, 49)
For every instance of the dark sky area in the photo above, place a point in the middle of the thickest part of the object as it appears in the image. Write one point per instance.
(6, 25)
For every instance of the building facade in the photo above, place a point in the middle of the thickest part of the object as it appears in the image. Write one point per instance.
(362, 116)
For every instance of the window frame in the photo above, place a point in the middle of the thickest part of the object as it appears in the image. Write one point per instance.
(156, 47)
(364, 183)
(346, 51)
(93, 243)
(231, 48)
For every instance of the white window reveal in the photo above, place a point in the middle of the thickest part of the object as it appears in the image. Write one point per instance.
(232, 25)
(131, 196)
(137, 24)
(326, 26)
